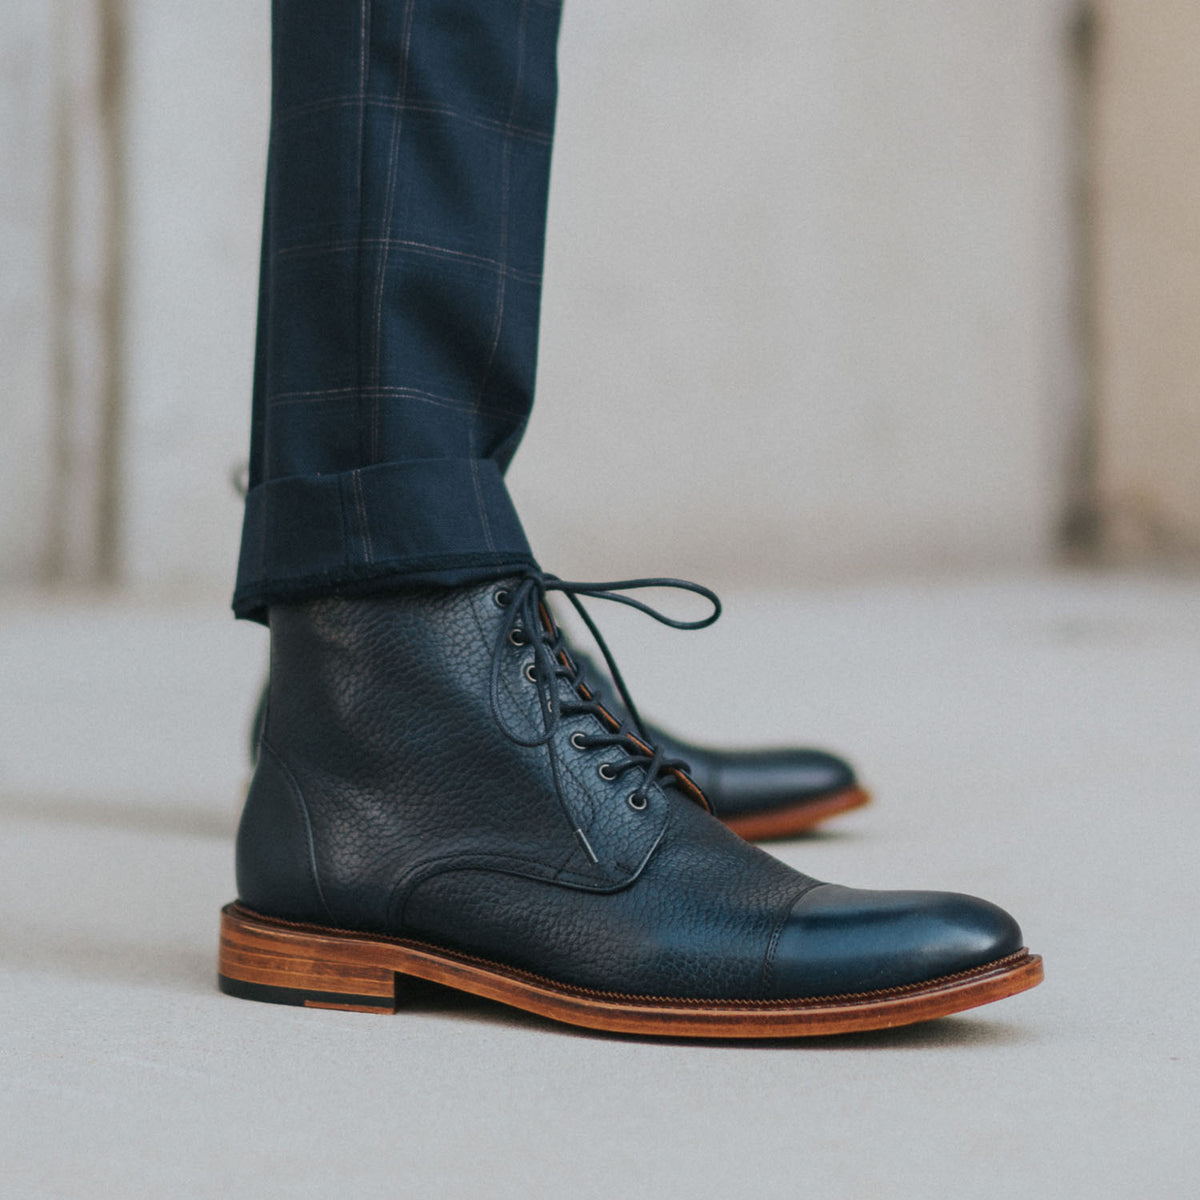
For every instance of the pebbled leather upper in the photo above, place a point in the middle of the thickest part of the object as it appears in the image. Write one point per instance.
(382, 711)
(736, 782)
(389, 797)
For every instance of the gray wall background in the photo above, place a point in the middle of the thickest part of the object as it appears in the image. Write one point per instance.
(811, 304)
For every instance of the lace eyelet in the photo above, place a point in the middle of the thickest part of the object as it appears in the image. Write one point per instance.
(636, 802)
(517, 638)
(502, 598)
(531, 672)
(579, 741)
(606, 772)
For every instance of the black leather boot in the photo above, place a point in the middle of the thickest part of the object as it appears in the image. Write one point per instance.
(439, 795)
(760, 794)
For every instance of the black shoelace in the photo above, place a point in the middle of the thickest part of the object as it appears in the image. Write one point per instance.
(529, 622)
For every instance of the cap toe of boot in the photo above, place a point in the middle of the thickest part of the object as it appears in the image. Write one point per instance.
(838, 940)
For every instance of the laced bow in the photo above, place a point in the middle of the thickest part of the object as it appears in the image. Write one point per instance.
(529, 621)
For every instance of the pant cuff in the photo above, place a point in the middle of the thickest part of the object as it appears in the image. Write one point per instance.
(445, 520)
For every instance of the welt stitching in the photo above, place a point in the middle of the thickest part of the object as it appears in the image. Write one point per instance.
(679, 1001)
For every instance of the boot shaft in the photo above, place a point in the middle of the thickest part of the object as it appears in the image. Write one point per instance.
(403, 736)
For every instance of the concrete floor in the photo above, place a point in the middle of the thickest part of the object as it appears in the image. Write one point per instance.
(1036, 741)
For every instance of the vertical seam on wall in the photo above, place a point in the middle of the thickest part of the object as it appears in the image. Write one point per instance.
(102, 538)
(112, 400)
(59, 260)
(1081, 521)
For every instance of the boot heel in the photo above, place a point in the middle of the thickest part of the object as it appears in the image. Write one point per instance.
(293, 966)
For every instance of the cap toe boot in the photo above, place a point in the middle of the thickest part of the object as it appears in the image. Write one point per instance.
(439, 794)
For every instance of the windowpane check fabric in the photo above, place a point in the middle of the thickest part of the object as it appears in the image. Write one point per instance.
(407, 185)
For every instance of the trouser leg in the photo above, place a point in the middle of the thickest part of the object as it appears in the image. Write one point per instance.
(400, 292)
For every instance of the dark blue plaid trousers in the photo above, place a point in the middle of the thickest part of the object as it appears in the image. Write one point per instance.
(400, 291)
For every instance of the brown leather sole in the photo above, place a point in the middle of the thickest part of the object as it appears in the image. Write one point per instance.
(288, 963)
(791, 819)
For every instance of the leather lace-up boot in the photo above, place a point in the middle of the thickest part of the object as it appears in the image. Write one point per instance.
(440, 795)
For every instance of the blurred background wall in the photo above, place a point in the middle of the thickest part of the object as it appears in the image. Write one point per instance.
(833, 288)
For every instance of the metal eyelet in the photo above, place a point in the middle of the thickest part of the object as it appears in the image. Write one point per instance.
(531, 672)
(636, 802)
(502, 598)
(518, 638)
(578, 740)
(606, 772)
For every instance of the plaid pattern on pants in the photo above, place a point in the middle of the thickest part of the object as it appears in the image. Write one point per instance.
(401, 284)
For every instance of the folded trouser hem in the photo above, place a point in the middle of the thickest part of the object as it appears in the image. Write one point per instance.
(447, 521)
